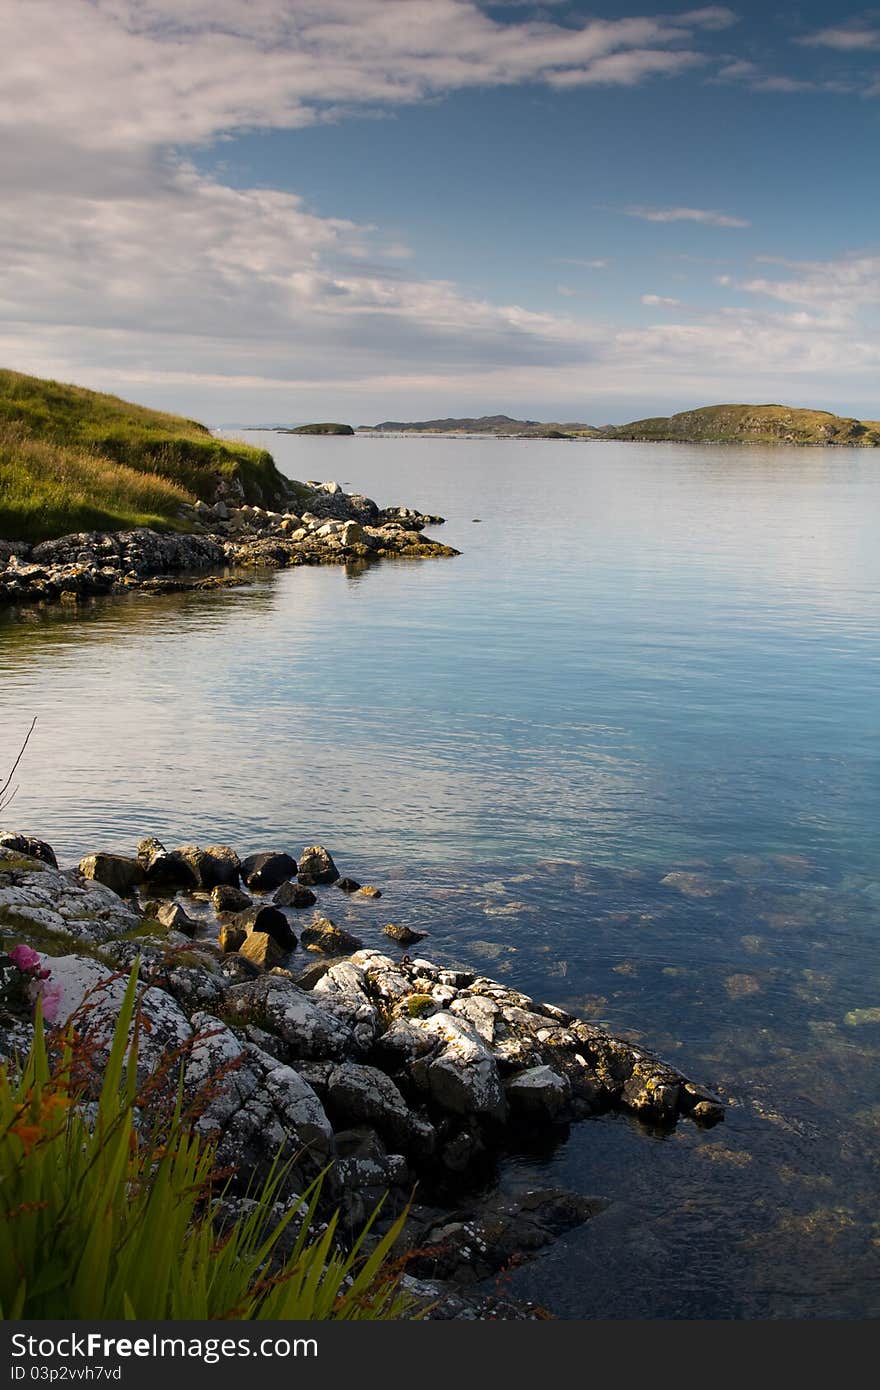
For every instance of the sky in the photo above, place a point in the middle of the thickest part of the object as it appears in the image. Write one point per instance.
(290, 210)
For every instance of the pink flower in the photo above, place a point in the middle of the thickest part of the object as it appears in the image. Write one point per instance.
(50, 996)
(27, 960)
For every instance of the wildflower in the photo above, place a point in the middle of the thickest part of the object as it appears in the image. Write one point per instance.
(27, 959)
(50, 996)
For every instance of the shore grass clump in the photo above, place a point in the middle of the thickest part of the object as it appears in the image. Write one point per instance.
(116, 1210)
(73, 459)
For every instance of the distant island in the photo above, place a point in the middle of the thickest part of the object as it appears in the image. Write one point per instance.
(484, 424)
(318, 429)
(712, 424)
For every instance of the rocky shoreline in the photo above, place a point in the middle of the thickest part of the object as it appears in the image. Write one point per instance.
(322, 525)
(400, 1072)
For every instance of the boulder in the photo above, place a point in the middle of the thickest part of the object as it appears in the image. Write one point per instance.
(173, 916)
(323, 935)
(316, 866)
(262, 950)
(296, 1018)
(27, 845)
(211, 866)
(359, 1094)
(231, 937)
(462, 1076)
(266, 871)
(268, 920)
(294, 895)
(404, 936)
(538, 1093)
(115, 871)
(368, 891)
(348, 885)
(163, 868)
(226, 898)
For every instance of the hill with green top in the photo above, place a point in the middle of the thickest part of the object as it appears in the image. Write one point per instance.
(483, 424)
(751, 424)
(78, 460)
(320, 429)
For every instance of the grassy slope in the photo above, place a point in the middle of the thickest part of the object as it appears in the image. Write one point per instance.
(72, 459)
(752, 424)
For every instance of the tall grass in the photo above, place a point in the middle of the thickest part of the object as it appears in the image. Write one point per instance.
(102, 1216)
(48, 490)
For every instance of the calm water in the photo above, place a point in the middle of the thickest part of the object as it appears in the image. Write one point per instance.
(647, 659)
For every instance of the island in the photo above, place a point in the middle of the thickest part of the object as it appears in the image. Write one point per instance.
(318, 429)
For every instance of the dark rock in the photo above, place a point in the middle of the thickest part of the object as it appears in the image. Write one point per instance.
(266, 871)
(217, 864)
(404, 936)
(538, 1093)
(225, 898)
(324, 935)
(231, 937)
(294, 895)
(114, 871)
(348, 885)
(164, 869)
(269, 921)
(316, 866)
(26, 844)
(173, 916)
(238, 970)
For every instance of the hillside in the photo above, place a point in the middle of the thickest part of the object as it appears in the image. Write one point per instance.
(73, 459)
(484, 424)
(751, 424)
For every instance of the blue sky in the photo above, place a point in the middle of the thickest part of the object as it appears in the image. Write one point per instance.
(363, 209)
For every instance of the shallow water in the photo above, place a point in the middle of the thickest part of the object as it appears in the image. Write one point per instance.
(648, 659)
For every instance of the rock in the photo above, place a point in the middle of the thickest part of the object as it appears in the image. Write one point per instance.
(238, 970)
(294, 895)
(266, 871)
(262, 950)
(259, 1111)
(537, 1093)
(324, 935)
(270, 920)
(352, 534)
(358, 1094)
(217, 864)
(27, 845)
(35, 896)
(316, 866)
(305, 1028)
(162, 869)
(114, 871)
(225, 898)
(463, 1077)
(404, 936)
(368, 891)
(173, 916)
(348, 885)
(697, 885)
(341, 987)
(231, 937)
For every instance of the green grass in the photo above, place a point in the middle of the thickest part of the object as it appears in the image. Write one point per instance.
(105, 1213)
(752, 424)
(72, 459)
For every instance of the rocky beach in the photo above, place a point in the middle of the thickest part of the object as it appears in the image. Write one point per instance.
(409, 1077)
(223, 539)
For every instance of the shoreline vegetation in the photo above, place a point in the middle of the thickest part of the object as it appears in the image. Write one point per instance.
(298, 1050)
(100, 496)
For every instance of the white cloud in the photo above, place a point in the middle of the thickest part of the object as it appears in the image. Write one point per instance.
(597, 264)
(845, 38)
(660, 301)
(705, 216)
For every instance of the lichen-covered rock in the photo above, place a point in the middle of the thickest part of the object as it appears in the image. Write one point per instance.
(537, 1093)
(266, 871)
(341, 988)
(26, 844)
(275, 1003)
(115, 871)
(316, 866)
(257, 1109)
(359, 1094)
(36, 897)
(461, 1076)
